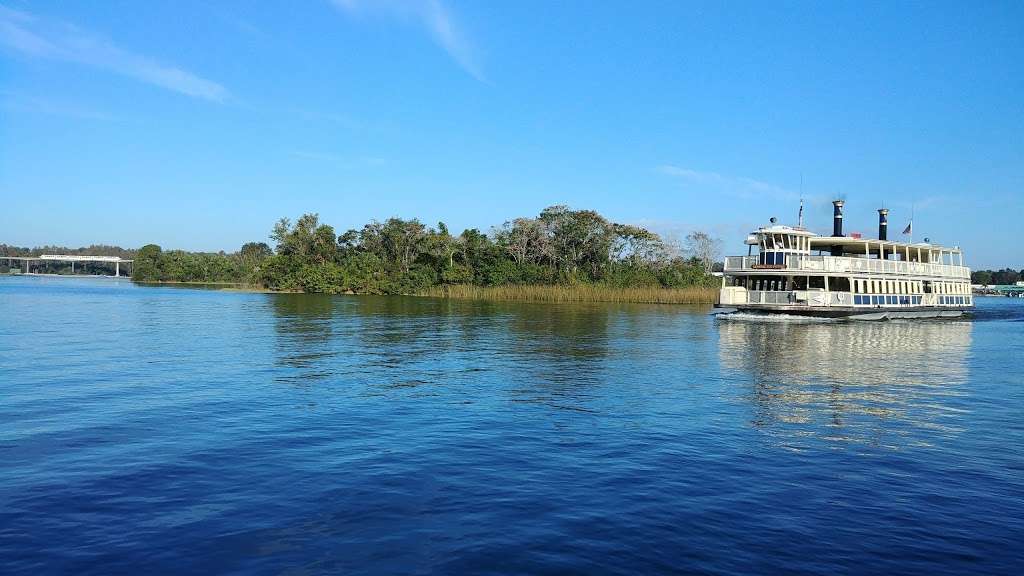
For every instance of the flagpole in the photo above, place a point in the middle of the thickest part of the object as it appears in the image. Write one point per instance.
(800, 219)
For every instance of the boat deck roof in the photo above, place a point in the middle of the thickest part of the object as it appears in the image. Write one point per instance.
(860, 245)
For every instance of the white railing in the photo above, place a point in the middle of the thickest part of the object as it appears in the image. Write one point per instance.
(845, 299)
(769, 297)
(845, 264)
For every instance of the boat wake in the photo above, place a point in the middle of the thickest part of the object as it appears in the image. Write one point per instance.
(781, 318)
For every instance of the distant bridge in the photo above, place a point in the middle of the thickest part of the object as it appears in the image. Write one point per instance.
(26, 261)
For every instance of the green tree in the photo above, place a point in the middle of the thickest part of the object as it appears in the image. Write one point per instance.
(147, 264)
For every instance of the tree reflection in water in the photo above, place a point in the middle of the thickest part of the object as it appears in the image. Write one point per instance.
(304, 329)
(883, 383)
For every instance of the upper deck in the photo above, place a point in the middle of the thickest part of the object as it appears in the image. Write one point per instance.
(846, 265)
(795, 249)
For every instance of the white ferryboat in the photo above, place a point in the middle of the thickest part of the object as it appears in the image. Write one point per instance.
(794, 271)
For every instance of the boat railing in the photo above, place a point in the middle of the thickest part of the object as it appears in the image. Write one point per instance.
(823, 298)
(769, 297)
(845, 264)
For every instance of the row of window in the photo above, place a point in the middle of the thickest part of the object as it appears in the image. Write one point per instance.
(784, 242)
(887, 300)
(951, 288)
(772, 258)
(889, 286)
(908, 287)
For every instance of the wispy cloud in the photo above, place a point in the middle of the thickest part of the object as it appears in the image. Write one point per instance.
(740, 186)
(37, 38)
(432, 15)
(346, 162)
(49, 106)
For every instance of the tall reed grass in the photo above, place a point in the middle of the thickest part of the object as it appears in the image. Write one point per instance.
(578, 293)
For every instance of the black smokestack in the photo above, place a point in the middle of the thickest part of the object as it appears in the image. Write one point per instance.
(837, 218)
(883, 224)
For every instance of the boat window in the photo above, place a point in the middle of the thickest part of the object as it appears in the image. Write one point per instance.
(773, 258)
(839, 284)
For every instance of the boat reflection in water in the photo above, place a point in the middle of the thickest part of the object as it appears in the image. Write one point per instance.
(889, 384)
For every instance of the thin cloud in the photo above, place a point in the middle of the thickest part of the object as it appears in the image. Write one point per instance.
(48, 106)
(347, 162)
(432, 15)
(36, 38)
(734, 185)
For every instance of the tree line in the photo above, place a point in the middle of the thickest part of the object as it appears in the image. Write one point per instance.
(990, 277)
(560, 246)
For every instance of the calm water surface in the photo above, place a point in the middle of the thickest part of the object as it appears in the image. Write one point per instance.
(160, 430)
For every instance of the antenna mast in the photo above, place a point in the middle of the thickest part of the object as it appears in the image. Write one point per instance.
(911, 221)
(800, 217)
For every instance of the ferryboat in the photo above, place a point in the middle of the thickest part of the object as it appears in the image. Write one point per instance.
(790, 270)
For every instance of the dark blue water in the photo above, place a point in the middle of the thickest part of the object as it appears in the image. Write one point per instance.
(158, 430)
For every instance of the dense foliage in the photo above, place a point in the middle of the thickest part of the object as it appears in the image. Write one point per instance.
(154, 265)
(990, 277)
(560, 246)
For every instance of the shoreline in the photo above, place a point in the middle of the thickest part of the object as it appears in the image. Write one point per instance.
(694, 295)
(221, 286)
(540, 293)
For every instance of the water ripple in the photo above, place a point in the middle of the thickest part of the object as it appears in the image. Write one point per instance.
(170, 431)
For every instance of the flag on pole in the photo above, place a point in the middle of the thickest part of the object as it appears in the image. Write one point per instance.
(909, 229)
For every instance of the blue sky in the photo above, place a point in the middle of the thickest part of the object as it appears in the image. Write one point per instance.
(196, 125)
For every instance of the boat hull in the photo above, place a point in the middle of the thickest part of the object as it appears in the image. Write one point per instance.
(850, 312)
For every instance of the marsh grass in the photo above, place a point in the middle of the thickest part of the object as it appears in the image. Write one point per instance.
(578, 293)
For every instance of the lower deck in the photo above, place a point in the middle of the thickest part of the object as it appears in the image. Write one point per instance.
(845, 295)
(851, 312)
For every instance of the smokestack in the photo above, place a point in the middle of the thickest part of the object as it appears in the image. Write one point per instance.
(883, 224)
(837, 218)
